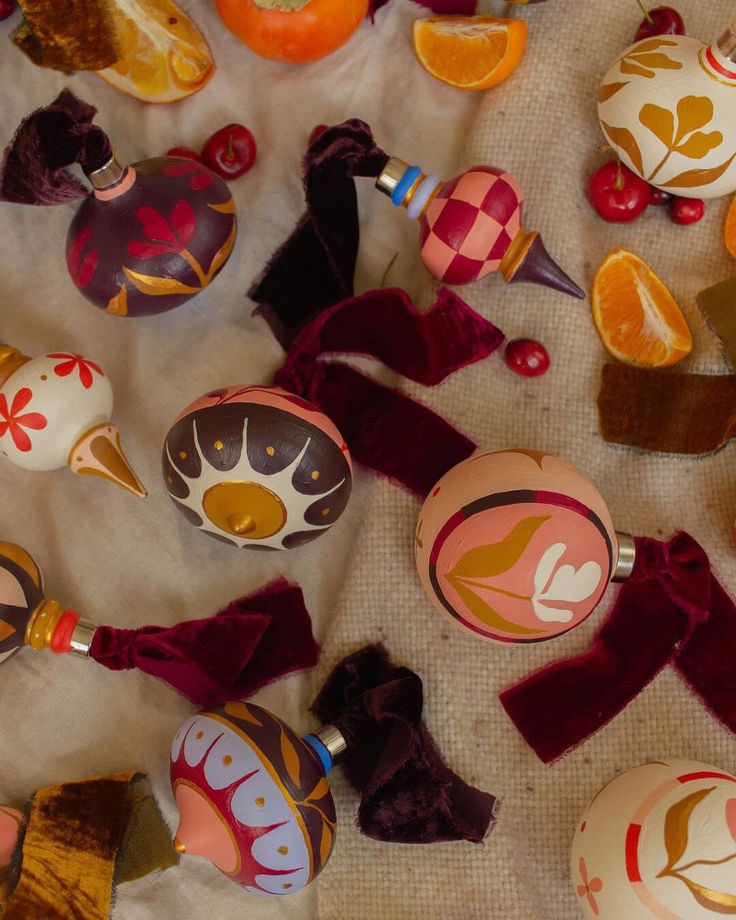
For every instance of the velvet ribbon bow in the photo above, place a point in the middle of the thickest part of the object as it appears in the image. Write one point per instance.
(386, 431)
(672, 610)
(250, 643)
(408, 793)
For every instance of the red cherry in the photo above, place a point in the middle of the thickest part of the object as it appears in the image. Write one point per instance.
(658, 196)
(317, 131)
(687, 210)
(527, 357)
(6, 8)
(184, 152)
(662, 20)
(230, 152)
(617, 193)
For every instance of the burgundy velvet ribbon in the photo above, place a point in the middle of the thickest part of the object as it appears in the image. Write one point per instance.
(34, 169)
(250, 643)
(672, 610)
(386, 431)
(314, 268)
(408, 793)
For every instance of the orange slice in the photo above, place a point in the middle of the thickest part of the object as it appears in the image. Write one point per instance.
(729, 230)
(469, 52)
(165, 56)
(637, 318)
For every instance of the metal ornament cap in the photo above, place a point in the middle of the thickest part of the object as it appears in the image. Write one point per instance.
(108, 175)
(626, 557)
(98, 453)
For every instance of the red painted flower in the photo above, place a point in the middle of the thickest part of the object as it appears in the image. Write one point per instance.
(10, 419)
(82, 269)
(170, 235)
(589, 888)
(70, 362)
(200, 176)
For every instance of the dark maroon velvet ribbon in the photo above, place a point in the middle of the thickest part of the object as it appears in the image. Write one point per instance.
(250, 643)
(315, 267)
(672, 610)
(386, 431)
(408, 793)
(34, 169)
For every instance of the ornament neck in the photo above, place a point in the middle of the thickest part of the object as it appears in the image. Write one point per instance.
(626, 557)
(408, 187)
(10, 360)
(112, 179)
(719, 60)
(328, 743)
(63, 631)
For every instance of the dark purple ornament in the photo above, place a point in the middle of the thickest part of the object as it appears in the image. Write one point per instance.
(148, 238)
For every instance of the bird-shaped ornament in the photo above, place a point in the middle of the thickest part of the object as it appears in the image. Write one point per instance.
(55, 411)
(667, 107)
(471, 226)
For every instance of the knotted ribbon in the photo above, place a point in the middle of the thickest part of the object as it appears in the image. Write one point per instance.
(672, 610)
(387, 431)
(408, 793)
(250, 643)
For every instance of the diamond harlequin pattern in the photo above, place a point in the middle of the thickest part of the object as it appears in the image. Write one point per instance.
(470, 225)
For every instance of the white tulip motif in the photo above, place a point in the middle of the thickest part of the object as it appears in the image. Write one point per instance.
(566, 584)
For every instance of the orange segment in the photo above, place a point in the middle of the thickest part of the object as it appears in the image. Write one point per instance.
(469, 52)
(729, 230)
(165, 57)
(637, 318)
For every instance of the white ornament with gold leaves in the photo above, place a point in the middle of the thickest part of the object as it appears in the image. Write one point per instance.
(55, 411)
(668, 108)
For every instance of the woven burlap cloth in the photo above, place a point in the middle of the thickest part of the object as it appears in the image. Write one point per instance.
(127, 562)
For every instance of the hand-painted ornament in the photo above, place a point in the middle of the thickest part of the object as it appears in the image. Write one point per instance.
(55, 411)
(253, 796)
(659, 843)
(150, 236)
(518, 546)
(258, 467)
(668, 105)
(471, 226)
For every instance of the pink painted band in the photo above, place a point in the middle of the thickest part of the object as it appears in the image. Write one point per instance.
(107, 194)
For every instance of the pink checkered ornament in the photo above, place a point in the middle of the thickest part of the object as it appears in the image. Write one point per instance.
(471, 226)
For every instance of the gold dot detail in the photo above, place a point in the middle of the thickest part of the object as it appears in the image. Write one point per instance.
(270, 451)
(199, 735)
(183, 454)
(219, 445)
(287, 885)
(283, 850)
(227, 760)
(325, 512)
(79, 459)
(169, 480)
(44, 377)
(315, 474)
(260, 801)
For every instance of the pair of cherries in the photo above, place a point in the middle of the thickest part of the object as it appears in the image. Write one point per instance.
(230, 152)
(620, 196)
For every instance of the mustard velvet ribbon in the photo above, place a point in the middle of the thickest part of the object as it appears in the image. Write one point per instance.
(80, 840)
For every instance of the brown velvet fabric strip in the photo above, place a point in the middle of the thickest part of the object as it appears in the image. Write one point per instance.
(69, 35)
(667, 411)
(718, 305)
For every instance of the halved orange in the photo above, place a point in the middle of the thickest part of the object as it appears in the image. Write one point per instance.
(729, 229)
(469, 52)
(165, 56)
(637, 318)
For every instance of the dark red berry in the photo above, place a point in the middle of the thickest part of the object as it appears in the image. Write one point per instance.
(6, 8)
(617, 193)
(317, 131)
(662, 20)
(658, 196)
(527, 357)
(687, 210)
(186, 152)
(230, 152)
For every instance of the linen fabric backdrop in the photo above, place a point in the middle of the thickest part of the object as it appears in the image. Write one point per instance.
(128, 562)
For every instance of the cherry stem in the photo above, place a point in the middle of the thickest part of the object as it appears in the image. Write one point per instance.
(619, 184)
(230, 155)
(644, 10)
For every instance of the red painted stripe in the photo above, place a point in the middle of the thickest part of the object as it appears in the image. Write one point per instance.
(717, 66)
(632, 852)
(688, 777)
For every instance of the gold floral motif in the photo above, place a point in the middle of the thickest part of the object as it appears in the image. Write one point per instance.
(643, 59)
(684, 136)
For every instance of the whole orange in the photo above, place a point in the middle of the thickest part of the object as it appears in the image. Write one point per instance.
(292, 30)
